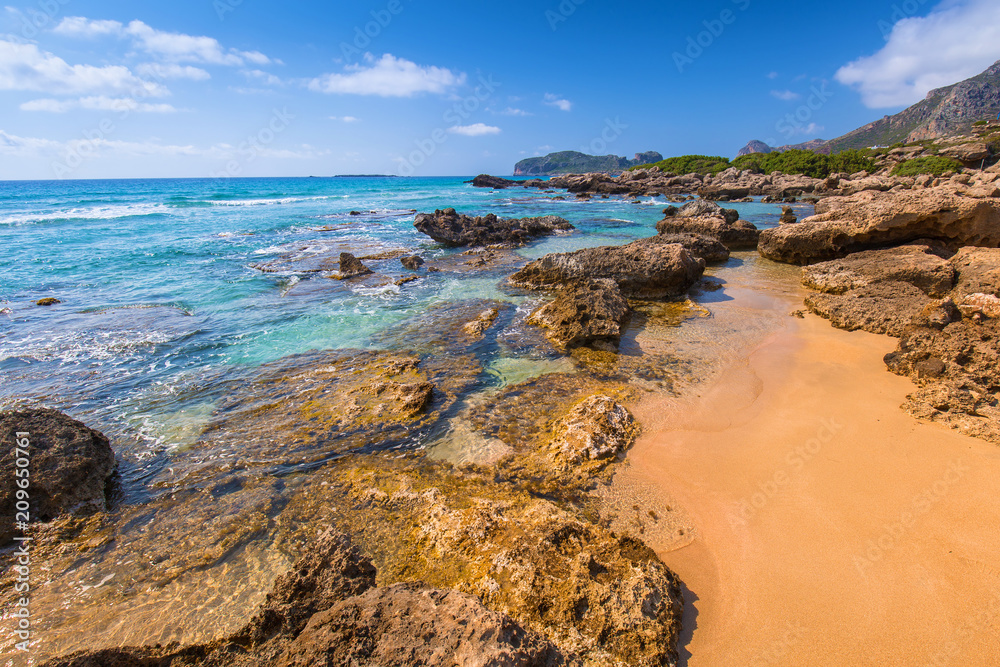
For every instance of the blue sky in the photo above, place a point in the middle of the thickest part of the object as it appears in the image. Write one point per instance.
(197, 88)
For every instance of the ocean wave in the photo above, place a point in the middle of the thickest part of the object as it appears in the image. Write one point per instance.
(265, 202)
(93, 213)
(72, 347)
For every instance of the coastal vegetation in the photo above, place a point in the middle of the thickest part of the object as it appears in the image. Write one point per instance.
(934, 165)
(792, 162)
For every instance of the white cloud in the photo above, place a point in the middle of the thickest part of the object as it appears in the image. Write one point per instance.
(511, 111)
(476, 130)
(772, 75)
(264, 77)
(556, 101)
(158, 71)
(170, 46)
(957, 40)
(344, 119)
(26, 67)
(78, 26)
(388, 77)
(785, 95)
(810, 130)
(96, 103)
(32, 147)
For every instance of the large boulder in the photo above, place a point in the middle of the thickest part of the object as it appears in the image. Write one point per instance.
(873, 219)
(70, 466)
(735, 235)
(647, 268)
(918, 265)
(454, 229)
(708, 248)
(592, 313)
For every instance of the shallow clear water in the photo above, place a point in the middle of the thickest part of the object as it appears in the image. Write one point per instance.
(162, 309)
(160, 300)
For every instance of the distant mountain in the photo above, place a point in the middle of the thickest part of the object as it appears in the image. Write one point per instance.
(756, 146)
(944, 112)
(572, 162)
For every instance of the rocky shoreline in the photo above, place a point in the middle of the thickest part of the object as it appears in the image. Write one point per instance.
(398, 556)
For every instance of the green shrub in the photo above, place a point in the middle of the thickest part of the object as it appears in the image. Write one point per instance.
(804, 162)
(980, 123)
(691, 164)
(934, 166)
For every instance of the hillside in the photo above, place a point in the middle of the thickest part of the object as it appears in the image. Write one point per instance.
(757, 146)
(573, 162)
(945, 111)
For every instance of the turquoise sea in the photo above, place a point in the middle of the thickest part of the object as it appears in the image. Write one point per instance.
(160, 302)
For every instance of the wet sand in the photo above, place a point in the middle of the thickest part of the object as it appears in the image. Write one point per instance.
(827, 526)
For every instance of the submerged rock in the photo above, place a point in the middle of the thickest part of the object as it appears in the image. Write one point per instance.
(328, 610)
(70, 466)
(351, 267)
(411, 262)
(648, 268)
(48, 301)
(592, 312)
(454, 229)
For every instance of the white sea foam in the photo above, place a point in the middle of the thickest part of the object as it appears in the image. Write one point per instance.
(266, 202)
(111, 212)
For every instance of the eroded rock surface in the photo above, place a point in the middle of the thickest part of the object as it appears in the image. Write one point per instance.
(455, 229)
(592, 312)
(952, 214)
(647, 268)
(70, 466)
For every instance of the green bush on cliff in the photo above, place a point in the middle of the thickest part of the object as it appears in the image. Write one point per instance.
(691, 164)
(980, 123)
(934, 166)
(805, 162)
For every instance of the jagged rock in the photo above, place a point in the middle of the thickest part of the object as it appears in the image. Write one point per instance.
(592, 312)
(646, 268)
(411, 262)
(881, 308)
(454, 229)
(918, 265)
(708, 248)
(70, 466)
(495, 182)
(873, 219)
(978, 271)
(734, 235)
(597, 428)
(351, 267)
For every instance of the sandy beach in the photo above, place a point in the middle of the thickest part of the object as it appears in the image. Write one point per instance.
(829, 527)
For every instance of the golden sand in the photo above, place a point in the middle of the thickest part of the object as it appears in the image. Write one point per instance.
(827, 526)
